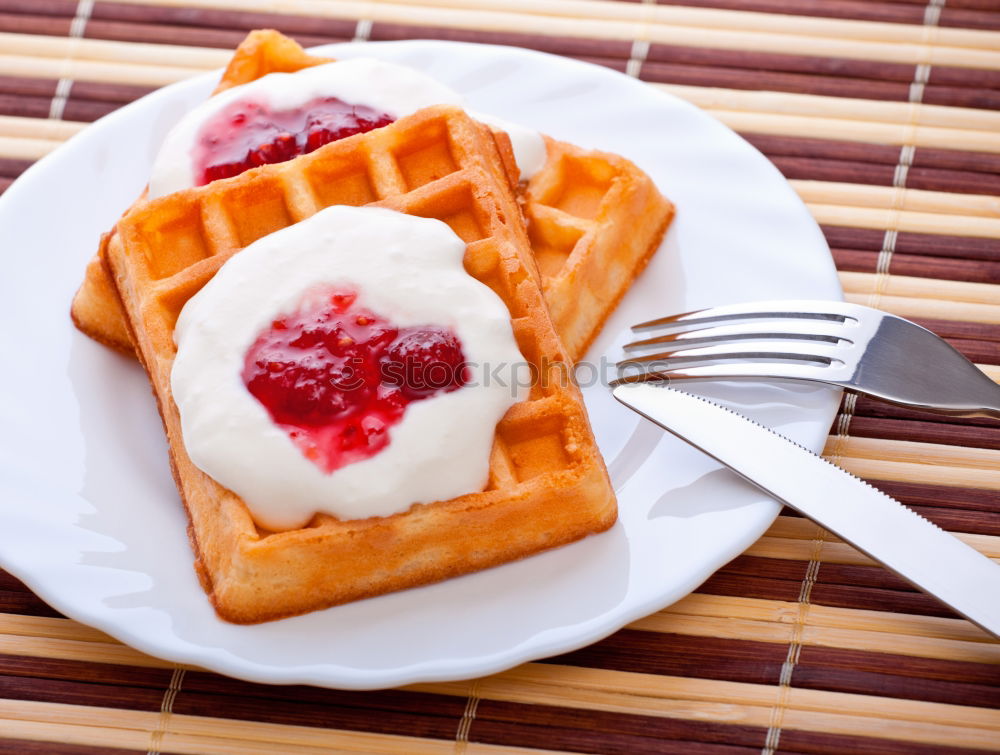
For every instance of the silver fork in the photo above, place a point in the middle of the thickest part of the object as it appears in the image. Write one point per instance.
(847, 345)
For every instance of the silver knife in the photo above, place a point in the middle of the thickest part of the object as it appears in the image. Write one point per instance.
(880, 526)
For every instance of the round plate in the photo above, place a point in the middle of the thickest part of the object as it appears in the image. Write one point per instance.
(90, 519)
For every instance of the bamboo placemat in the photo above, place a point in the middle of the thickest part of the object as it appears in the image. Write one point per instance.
(885, 116)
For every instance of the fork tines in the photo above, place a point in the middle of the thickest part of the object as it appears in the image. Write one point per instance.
(791, 340)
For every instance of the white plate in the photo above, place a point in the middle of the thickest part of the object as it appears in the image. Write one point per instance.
(89, 516)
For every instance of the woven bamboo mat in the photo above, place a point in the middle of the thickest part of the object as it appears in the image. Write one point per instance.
(885, 116)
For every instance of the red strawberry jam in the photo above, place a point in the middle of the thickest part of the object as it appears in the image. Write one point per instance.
(244, 135)
(336, 376)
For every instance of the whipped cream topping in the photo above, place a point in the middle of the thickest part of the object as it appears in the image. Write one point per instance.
(409, 270)
(387, 87)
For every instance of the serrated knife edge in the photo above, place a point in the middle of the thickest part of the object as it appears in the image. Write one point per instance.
(878, 525)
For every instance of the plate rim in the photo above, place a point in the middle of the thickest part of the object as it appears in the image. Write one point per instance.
(220, 660)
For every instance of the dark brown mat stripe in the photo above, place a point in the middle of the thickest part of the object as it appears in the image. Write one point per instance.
(189, 35)
(898, 676)
(940, 496)
(752, 60)
(943, 268)
(772, 568)
(981, 675)
(682, 655)
(870, 407)
(298, 26)
(519, 725)
(574, 47)
(877, 599)
(24, 86)
(982, 352)
(79, 693)
(926, 432)
(85, 671)
(962, 521)
(32, 98)
(837, 586)
(35, 24)
(983, 331)
(983, 164)
(207, 684)
(413, 714)
(927, 179)
(918, 266)
(25, 603)
(739, 78)
(345, 715)
(797, 741)
(28, 747)
(39, 7)
(25, 107)
(738, 586)
(934, 245)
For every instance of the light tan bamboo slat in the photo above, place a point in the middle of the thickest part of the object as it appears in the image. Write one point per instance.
(38, 128)
(902, 471)
(890, 197)
(938, 309)
(976, 51)
(840, 108)
(809, 635)
(787, 612)
(78, 650)
(992, 371)
(791, 549)
(21, 148)
(922, 288)
(80, 724)
(48, 627)
(734, 702)
(937, 454)
(906, 220)
(803, 529)
(859, 131)
(90, 70)
(108, 51)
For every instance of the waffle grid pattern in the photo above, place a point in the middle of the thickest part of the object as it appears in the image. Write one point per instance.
(439, 164)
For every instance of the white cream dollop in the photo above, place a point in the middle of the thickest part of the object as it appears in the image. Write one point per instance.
(404, 268)
(386, 87)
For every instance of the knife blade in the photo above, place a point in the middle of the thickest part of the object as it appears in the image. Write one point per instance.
(878, 525)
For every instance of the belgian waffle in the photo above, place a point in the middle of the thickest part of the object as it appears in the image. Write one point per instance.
(547, 484)
(594, 221)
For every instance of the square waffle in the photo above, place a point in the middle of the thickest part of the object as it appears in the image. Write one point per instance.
(594, 219)
(547, 484)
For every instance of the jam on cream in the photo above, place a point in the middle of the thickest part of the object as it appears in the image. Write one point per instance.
(393, 286)
(336, 376)
(245, 135)
(292, 112)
